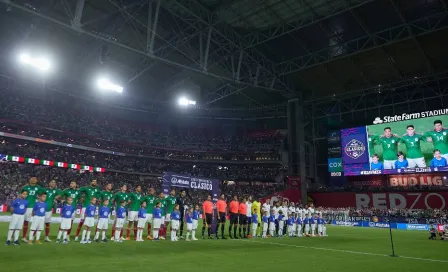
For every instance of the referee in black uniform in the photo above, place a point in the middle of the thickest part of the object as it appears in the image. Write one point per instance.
(181, 201)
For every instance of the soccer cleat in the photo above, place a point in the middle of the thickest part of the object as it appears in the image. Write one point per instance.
(194, 239)
(97, 241)
(76, 239)
(188, 240)
(149, 237)
(112, 239)
(83, 242)
(65, 242)
(68, 238)
(128, 238)
(203, 237)
(122, 239)
(104, 241)
(181, 237)
(89, 242)
(223, 238)
(8, 243)
(24, 240)
(38, 242)
(16, 243)
(58, 241)
(47, 239)
(30, 242)
(162, 238)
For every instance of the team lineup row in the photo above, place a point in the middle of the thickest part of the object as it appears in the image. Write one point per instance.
(27, 206)
(392, 159)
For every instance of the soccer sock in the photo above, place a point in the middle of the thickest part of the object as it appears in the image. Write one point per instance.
(187, 235)
(239, 231)
(10, 233)
(47, 229)
(88, 235)
(38, 235)
(216, 230)
(59, 235)
(271, 232)
(193, 234)
(254, 231)
(83, 235)
(264, 233)
(97, 234)
(25, 229)
(203, 230)
(16, 235)
(155, 233)
(78, 230)
(103, 235)
(149, 229)
(172, 236)
(234, 231)
(31, 235)
(244, 232)
(222, 230)
(209, 231)
(70, 229)
(113, 231)
(135, 229)
(230, 230)
(65, 235)
(128, 232)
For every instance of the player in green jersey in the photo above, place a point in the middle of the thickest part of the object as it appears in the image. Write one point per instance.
(33, 190)
(89, 192)
(53, 194)
(74, 193)
(389, 142)
(171, 200)
(439, 137)
(414, 153)
(373, 140)
(162, 230)
(136, 201)
(121, 196)
(150, 200)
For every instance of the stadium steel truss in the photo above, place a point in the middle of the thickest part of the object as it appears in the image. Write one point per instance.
(314, 62)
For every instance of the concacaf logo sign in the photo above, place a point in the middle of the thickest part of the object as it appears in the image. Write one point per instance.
(409, 116)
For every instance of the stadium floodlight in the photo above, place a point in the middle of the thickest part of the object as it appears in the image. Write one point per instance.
(185, 102)
(107, 85)
(40, 63)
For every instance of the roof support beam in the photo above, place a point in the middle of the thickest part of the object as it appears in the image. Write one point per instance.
(78, 14)
(152, 25)
(419, 27)
(417, 43)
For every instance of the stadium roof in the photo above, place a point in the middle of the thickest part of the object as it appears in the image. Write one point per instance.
(239, 53)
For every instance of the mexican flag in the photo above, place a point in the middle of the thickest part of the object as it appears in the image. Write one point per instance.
(31, 160)
(99, 169)
(86, 168)
(48, 163)
(62, 164)
(74, 166)
(15, 158)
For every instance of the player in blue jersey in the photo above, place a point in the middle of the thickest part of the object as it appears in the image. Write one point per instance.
(175, 223)
(141, 222)
(66, 220)
(18, 210)
(89, 221)
(157, 221)
(265, 224)
(281, 223)
(306, 224)
(290, 223)
(320, 223)
(254, 224)
(272, 224)
(120, 218)
(299, 225)
(375, 164)
(103, 221)
(38, 219)
(401, 162)
(196, 214)
(438, 160)
(189, 221)
(313, 224)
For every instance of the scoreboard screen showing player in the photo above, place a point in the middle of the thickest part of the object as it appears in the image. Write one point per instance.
(400, 144)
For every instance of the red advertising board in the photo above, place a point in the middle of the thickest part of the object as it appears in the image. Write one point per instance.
(294, 181)
(288, 195)
(368, 181)
(397, 200)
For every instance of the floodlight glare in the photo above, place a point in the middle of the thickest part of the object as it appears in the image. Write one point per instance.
(40, 63)
(105, 84)
(185, 102)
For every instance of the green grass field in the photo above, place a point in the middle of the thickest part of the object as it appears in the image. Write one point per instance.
(421, 126)
(346, 249)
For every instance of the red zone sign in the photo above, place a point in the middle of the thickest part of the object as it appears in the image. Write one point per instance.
(394, 200)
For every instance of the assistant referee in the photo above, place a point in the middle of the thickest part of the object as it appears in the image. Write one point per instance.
(221, 206)
(207, 208)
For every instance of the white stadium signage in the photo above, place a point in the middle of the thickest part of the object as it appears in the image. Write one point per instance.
(409, 116)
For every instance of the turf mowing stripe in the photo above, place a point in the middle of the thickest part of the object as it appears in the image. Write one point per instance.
(347, 251)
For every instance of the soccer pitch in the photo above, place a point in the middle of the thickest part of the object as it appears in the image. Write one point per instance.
(346, 249)
(421, 126)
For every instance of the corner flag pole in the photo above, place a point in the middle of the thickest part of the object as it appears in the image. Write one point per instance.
(391, 238)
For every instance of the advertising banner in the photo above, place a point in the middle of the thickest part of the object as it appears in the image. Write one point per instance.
(387, 200)
(417, 180)
(335, 165)
(294, 181)
(424, 227)
(365, 224)
(289, 195)
(334, 143)
(368, 181)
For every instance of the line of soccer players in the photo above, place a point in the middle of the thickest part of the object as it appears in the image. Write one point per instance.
(392, 159)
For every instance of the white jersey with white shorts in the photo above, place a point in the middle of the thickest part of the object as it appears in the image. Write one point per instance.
(175, 224)
(389, 164)
(16, 222)
(195, 223)
(48, 216)
(141, 222)
(119, 223)
(28, 214)
(418, 162)
(89, 222)
(103, 223)
(66, 223)
(38, 223)
(133, 216)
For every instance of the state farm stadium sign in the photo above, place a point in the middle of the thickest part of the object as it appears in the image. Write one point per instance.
(388, 200)
(409, 116)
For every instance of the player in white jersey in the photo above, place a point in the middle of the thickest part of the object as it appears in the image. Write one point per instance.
(285, 210)
(266, 207)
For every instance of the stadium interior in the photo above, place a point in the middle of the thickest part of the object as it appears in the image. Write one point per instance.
(253, 93)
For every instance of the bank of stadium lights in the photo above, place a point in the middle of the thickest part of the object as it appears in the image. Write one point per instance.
(106, 85)
(39, 63)
(186, 102)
